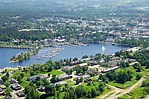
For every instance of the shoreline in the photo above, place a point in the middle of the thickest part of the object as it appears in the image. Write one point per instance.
(8, 68)
(17, 47)
(54, 47)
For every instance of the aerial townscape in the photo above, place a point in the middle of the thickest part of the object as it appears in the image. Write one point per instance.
(74, 49)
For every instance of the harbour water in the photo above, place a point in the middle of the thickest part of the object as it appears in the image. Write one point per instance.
(63, 52)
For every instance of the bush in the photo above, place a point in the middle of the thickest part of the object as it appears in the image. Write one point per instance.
(138, 76)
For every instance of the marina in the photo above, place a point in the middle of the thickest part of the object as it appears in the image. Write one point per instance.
(48, 52)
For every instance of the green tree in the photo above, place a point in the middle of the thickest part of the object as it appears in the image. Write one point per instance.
(4, 78)
(7, 83)
(50, 90)
(93, 92)
(31, 92)
(19, 79)
(122, 76)
(138, 76)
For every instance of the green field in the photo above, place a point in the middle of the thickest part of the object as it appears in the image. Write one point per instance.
(70, 82)
(123, 86)
(24, 83)
(56, 72)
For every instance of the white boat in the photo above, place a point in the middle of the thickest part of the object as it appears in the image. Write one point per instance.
(103, 48)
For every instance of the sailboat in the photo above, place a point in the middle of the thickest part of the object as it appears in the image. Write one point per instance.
(103, 48)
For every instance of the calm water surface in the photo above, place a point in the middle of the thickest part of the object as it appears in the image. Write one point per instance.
(68, 52)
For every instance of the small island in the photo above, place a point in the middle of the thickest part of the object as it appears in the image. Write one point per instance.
(25, 56)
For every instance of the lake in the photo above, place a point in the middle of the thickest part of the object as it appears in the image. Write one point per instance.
(67, 52)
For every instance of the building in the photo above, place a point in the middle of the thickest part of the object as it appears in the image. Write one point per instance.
(1, 82)
(82, 64)
(33, 78)
(61, 83)
(1, 91)
(15, 86)
(41, 88)
(12, 81)
(20, 94)
(113, 63)
(93, 71)
(67, 68)
(109, 69)
(64, 76)
(93, 62)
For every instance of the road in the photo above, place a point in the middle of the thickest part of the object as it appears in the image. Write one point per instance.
(117, 92)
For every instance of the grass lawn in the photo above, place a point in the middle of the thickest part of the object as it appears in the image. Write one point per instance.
(131, 54)
(70, 82)
(123, 86)
(56, 72)
(24, 83)
(137, 93)
(16, 74)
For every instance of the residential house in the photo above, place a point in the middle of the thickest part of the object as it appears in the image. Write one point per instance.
(82, 64)
(1, 91)
(41, 88)
(33, 78)
(1, 82)
(113, 63)
(129, 60)
(93, 71)
(15, 86)
(12, 81)
(64, 76)
(67, 68)
(61, 83)
(109, 69)
(93, 62)
(20, 94)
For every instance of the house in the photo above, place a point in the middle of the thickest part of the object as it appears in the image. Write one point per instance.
(41, 88)
(109, 69)
(15, 86)
(115, 58)
(86, 76)
(92, 62)
(113, 63)
(67, 68)
(74, 62)
(8, 97)
(109, 39)
(130, 60)
(83, 64)
(3, 86)
(134, 49)
(1, 91)
(93, 71)
(1, 82)
(20, 94)
(64, 76)
(33, 78)
(61, 83)
(12, 81)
